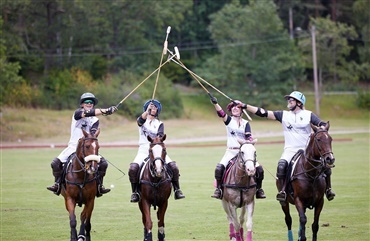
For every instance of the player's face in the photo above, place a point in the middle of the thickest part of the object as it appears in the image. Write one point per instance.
(88, 104)
(236, 111)
(153, 109)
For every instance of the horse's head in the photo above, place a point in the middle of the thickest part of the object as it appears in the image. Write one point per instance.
(157, 155)
(88, 151)
(322, 144)
(247, 154)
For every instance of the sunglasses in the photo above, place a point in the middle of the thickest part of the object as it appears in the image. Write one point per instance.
(88, 102)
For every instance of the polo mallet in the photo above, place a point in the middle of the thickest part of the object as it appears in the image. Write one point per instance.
(164, 51)
(177, 55)
(197, 77)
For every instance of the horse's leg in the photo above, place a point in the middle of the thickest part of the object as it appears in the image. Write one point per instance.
(243, 210)
(288, 221)
(70, 206)
(315, 224)
(302, 219)
(85, 228)
(160, 217)
(249, 225)
(233, 220)
(147, 221)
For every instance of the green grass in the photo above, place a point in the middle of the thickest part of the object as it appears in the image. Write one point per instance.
(30, 212)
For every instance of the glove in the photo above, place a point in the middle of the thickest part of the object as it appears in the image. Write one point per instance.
(242, 105)
(111, 110)
(213, 99)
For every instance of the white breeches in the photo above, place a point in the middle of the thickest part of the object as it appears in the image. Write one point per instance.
(143, 153)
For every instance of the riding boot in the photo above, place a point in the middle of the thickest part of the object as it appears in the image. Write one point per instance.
(281, 175)
(175, 180)
(103, 165)
(57, 167)
(219, 172)
(260, 194)
(329, 193)
(133, 174)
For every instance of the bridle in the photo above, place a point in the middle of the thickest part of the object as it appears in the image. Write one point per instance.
(84, 164)
(154, 159)
(244, 161)
(316, 164)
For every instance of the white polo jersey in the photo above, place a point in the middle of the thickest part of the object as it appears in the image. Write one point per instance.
(76, 133)
(297, 130)
(150, 128)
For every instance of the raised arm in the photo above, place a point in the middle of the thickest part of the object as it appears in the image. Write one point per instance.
(220, 112)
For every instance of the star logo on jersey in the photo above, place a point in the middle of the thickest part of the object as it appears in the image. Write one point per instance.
(290, 127)
(301, 118)
(232, 133)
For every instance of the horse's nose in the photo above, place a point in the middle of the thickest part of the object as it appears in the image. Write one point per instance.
(330, 159)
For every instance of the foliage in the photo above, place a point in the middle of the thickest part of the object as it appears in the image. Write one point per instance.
(363, 99)
(251, 40)
(332, 49)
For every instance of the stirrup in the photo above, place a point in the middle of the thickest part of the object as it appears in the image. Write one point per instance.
(329, 194)
(55, 189)
(217, 194)
(281, 196)
(260, 194)
(135, 197)
(179, 194)
(102, 190)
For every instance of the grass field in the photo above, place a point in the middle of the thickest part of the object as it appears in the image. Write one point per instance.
(30, 212)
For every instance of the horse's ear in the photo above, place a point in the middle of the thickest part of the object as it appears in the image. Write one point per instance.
(314, 128)
(97, 132)
(163, 137)
(149, 139)
(327, 126)
(85, 133)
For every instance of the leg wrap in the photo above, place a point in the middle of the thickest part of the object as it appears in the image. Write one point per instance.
(133, 173)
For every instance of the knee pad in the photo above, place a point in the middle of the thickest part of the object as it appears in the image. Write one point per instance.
(56, 164)
(281, 168)
(219, 171)
(133, 172)
(103, 164)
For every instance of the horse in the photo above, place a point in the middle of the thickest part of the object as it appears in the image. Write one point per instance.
(307, 181)
(81, 184)
(239, 189)
(155, 187)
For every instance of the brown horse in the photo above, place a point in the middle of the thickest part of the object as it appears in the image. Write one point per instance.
(307, 182)
(155, 188)
(239, 190)
(81, 184)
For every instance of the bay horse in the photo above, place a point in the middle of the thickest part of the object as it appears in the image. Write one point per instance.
(81, 184)
(239, 189)
(155, 187)
(307, 183)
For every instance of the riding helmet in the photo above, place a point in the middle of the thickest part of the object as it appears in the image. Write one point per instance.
(232, 104)
(298, 96)
(156, 103)
(88, 96)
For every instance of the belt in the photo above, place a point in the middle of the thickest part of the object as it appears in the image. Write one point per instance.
(233, 148)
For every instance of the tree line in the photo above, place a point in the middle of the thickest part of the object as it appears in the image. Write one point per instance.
(54, 50)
